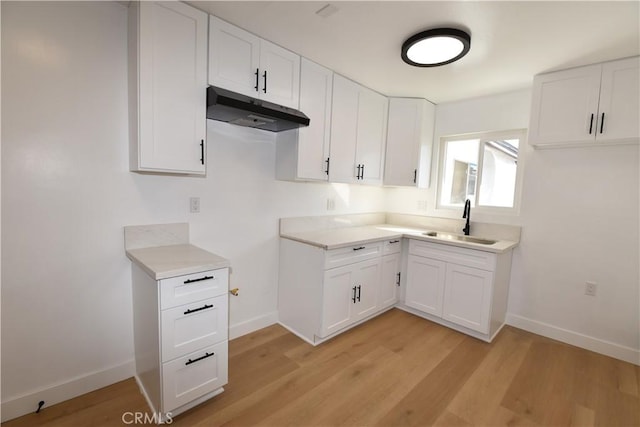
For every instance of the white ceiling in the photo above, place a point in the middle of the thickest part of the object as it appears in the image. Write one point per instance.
(511, 41)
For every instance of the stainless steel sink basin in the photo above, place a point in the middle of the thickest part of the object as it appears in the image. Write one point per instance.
(458, 237)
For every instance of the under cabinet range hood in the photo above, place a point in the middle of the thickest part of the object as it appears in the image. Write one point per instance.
(235, 108)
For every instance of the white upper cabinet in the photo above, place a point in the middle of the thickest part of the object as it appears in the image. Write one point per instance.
(168, 71)
(234, 58)
(358, 133)
(303, 154)
(592, 104)
(619, 112)
(409, 142)
(244, 63)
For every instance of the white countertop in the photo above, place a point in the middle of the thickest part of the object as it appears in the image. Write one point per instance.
(347, 236)
(162, 262)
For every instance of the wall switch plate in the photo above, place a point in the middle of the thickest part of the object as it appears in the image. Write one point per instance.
(194, 204)
(331, 204)
(590, 289)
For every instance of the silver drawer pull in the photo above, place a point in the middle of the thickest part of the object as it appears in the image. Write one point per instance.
(204, 307)
(198, 359)
(199, 280)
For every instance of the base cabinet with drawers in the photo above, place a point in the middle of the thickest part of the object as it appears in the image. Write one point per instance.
(181, 338)
(324, 292)
(465, 289)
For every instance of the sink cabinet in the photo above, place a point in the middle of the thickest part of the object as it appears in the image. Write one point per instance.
(324, 292)
(465, 289)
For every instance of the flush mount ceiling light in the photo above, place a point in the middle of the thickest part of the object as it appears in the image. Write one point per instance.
(435, 47)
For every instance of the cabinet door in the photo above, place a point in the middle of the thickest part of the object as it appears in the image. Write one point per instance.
(338, 298)
(425, 284)
(344, 125)
(565, 106)
(234, 58)
(172, 82)
(389, 280)
(279, 80)
(316, 87)
(409, 142)
(371, 135)
(367, 282)
(467, 297)
(619, 113)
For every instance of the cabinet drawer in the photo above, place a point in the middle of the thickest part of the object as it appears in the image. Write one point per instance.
(344, 256)
(392, 246)
(193, 287)
(194, 375)
(454, 254)
(189, 327)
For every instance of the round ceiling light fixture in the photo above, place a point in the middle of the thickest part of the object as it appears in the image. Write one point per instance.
(435, 47)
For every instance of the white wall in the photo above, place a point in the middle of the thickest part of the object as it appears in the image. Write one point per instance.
(67, 193)
(580, 222)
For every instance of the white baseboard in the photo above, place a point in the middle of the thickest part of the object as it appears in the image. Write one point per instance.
(607, 348)
(17, 406)
(251, 325)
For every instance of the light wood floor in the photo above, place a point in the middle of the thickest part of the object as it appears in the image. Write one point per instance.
(394, 370)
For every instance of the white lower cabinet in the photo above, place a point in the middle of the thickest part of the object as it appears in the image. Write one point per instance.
(181, 338)
(323, 292)
(425, 284)
(467, 297)
(465, 289)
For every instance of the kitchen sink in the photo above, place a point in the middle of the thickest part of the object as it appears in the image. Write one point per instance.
(458, 237)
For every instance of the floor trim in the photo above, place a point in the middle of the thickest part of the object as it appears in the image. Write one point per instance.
(252, 325)
(26, 403)
(607, 348)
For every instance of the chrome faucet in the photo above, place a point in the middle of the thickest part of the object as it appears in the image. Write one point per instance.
(467, 214)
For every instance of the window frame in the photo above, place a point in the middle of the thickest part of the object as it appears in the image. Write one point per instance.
(483, 137)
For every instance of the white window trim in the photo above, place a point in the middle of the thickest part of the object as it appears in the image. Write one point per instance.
(514, 211)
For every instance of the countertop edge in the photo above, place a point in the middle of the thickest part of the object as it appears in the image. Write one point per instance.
(196, 267)
(501, 246)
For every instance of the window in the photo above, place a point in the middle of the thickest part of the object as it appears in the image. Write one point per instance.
(482, 168)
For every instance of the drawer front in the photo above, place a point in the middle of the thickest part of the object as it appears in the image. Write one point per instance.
(344, 256)
(194, 375)
(193, 287)
(454, 254)
(189, 327)
(392, 246)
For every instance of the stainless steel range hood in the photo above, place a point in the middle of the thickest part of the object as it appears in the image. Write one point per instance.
(231, 107)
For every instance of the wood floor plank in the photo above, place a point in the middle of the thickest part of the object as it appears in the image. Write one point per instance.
(348, 385)
(482, 393)
(394, 370)
(429, 399)
(250, 341)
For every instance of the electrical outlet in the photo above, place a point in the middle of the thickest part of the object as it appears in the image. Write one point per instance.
(194, 204)
(590, 289)
(331, 204)
(422, 205)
